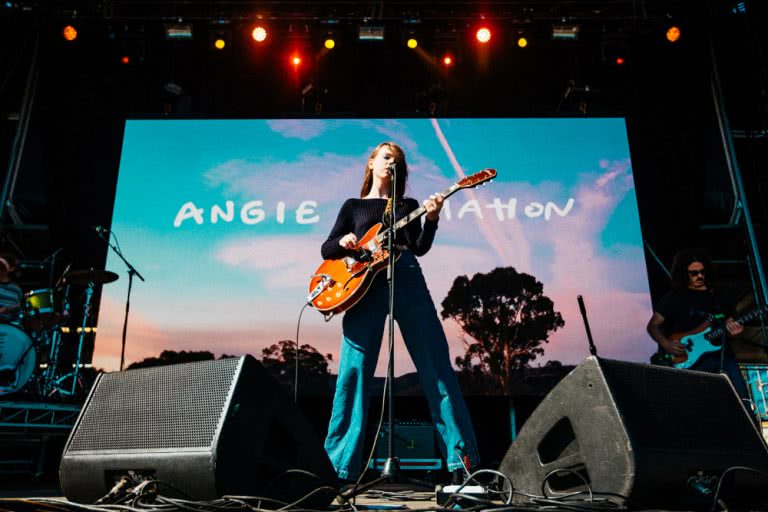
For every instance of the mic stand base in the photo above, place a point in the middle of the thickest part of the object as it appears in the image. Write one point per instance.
(391, 474)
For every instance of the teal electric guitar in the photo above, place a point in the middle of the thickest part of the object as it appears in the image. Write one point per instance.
(700, 341)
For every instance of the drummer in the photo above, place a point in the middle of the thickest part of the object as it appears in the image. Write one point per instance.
(11, 296)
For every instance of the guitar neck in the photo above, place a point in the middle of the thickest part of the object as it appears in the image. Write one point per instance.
(716, 333)
(418, 212)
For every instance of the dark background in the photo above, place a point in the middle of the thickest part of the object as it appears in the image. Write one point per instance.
(83, 94)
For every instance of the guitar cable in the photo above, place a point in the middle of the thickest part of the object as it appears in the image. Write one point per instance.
(296, 372)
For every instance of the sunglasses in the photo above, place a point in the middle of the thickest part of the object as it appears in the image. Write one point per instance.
(695, 272)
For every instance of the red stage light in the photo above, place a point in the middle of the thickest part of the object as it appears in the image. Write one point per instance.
(125, 59)
(447, 60)
(296, 60)
(483, 35)
(619, 61)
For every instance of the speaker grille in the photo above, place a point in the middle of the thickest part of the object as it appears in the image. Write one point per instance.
(660, 405)
(180, 407)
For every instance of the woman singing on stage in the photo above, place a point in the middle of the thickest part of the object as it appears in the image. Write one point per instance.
(363, 324)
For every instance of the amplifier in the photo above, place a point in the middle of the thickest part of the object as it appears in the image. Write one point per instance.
(756, 377)
(415, 447)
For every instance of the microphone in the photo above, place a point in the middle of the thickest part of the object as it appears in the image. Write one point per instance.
(100, 229)
(393, 168)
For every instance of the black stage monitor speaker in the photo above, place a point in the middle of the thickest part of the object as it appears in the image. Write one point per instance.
(652, 434)
(208, 428)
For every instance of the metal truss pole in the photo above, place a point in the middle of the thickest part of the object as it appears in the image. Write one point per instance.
(740, 207)
(17, 149)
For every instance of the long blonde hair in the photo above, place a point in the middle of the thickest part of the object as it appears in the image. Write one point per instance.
(402, 171)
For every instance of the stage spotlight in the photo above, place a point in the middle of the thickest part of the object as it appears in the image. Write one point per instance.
(371, 33)
(619, 61)
(412, 43)
(447, 61)
(219, 39)
(673, 34)
(259, 34)
(295, 60)
(125, 59)
(565, 32)
(483, 35)
(178, 31)
(330, 43)
(69, 33)
(522, 42)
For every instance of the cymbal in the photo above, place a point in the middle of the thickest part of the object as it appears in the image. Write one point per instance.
(91, 275)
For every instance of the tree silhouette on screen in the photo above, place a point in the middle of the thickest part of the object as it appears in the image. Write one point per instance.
(279, 360)
(508, 317)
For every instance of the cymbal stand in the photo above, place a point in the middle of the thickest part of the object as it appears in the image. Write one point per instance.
(49, 376)
(80, 342)
(131, 272)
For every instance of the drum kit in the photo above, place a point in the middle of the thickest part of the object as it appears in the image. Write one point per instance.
(30, 348)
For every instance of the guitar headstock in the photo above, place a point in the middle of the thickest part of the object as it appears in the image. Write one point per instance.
(478, 178)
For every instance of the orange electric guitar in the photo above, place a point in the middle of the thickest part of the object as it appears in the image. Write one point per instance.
(337, 285)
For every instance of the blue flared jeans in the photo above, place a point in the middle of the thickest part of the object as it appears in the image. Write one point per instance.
(363, 328)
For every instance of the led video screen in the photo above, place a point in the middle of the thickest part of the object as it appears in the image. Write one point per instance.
(225, 219)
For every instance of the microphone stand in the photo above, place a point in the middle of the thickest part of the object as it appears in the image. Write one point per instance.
(391, 467)
(392, 464)
(52, 268)
(583, 309)
(131, 272)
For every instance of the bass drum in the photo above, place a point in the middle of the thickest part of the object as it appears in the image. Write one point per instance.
(17, 359)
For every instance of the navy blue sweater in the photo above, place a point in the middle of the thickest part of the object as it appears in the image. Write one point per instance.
(358, 215)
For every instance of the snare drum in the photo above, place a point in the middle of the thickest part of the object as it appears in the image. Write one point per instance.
(39, 312)
(17, 359)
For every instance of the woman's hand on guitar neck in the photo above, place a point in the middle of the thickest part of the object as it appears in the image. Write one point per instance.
(433, 205)
(348, 241)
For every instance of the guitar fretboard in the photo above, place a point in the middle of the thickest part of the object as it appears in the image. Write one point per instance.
(415, 214)
(716, 333)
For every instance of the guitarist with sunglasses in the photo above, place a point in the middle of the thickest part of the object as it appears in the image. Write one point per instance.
(689, 307)
(363, 324)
